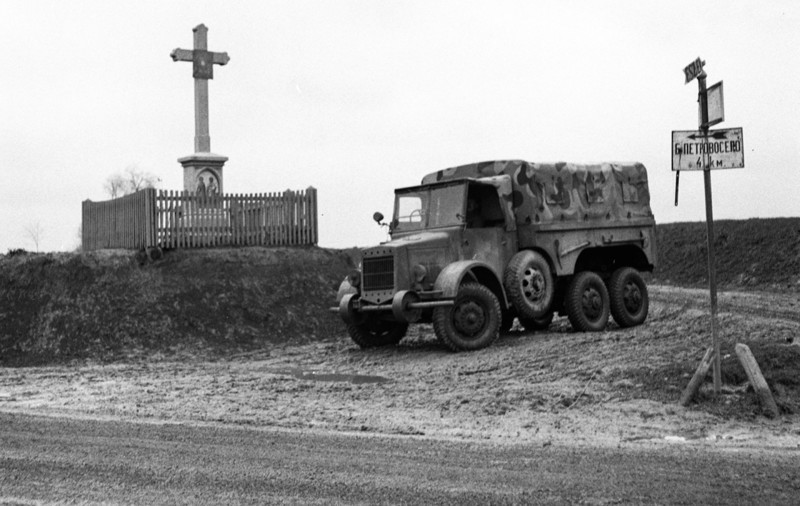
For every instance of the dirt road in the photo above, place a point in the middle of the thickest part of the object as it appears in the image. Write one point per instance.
(77, 461)
(612, 394)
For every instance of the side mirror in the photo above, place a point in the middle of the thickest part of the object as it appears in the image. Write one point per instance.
(378, 217)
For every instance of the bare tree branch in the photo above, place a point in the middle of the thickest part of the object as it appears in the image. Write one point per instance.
(130, 181)
(115, 186)
(35, 233)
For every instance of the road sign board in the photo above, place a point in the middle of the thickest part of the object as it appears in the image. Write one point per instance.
(717, 149)
(715, 105)
(693, 69)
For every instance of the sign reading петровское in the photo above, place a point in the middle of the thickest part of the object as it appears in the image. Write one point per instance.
(717, 149)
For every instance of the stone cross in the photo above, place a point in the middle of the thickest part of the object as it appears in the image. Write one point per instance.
(203, 61)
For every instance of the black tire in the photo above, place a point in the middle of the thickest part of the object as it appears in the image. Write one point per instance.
(374, 332)
(472, 323)
(628, 296)
(529, 284)
(587, 302)
(534, 324)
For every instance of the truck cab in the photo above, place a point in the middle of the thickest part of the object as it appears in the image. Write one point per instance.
(466, 216)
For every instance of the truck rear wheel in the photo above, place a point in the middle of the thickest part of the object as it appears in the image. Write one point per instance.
(629, 300)
(473, 322)
(529, 284)
(374, 332)
(587, 302)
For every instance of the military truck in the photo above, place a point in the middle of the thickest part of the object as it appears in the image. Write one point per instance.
(477, 246)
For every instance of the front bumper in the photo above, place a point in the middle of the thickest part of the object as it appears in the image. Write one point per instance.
(406, 306)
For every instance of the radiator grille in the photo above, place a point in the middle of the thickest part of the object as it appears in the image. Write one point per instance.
(378, 273)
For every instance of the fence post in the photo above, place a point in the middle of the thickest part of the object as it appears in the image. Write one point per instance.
(149, 218)
(85, 224)
(313, 214)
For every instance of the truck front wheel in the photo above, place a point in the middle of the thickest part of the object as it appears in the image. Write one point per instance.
(629, 299)
(473, 322)
(587, 302)
(374, 332)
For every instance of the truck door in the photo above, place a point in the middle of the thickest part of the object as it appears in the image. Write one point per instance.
(486, 236)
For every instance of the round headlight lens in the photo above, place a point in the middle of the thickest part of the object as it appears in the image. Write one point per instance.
(354, 278)
(420, 271)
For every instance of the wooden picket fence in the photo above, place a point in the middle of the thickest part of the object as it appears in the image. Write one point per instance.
(171, 219)
(126, 222)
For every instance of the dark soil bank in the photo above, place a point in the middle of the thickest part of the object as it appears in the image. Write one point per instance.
(762, 254)
(107, 304)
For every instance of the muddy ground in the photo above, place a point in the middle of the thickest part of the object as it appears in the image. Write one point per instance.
(612, 388)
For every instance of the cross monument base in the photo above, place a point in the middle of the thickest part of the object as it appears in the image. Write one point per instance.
(202, 173)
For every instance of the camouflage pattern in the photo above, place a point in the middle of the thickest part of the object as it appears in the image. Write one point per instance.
(505, 189)
(564, 192)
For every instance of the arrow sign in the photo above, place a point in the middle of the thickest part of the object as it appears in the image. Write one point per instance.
(717, 149)
(716, 134)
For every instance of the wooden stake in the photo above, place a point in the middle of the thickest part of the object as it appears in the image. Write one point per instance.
(699, 375)
(757, 380)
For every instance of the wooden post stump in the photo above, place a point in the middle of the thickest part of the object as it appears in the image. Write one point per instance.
(757, 380)
(697, 379)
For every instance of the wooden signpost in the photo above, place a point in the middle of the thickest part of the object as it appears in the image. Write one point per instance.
(700, 154)
(708, 150)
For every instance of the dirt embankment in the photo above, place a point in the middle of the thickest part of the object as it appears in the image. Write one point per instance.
(110, 305)
(760, 254)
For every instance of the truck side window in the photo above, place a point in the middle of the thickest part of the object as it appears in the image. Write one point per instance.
(410, 209)
(474, 217)
(483, 208)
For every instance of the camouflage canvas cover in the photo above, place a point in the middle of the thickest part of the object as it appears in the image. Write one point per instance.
(565, 192)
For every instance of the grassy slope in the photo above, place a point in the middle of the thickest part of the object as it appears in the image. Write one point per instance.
(750, 254)
(105, 305)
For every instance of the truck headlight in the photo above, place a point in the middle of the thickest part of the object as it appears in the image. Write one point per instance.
(354, 278)
(419, 271)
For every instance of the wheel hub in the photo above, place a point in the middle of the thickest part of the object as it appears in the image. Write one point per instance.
(533, 285)
(592, 303)
(469, 318)
(632, 297)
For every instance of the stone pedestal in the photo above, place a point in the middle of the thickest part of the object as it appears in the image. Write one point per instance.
(205, 168)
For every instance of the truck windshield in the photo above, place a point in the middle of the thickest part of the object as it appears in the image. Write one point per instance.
(422, 208)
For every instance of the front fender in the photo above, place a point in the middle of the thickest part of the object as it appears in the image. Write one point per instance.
(453, 275)
(345, 288)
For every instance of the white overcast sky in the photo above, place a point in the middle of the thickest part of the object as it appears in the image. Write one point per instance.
(358, 97)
